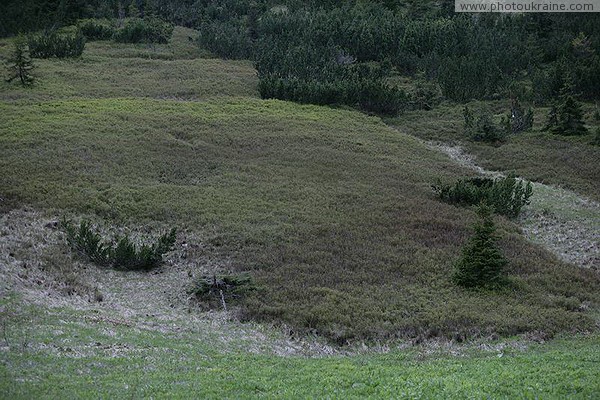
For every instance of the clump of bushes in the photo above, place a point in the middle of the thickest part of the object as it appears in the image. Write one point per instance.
(146, 30)
(55, 44)
(506, 195)
(219, 289)
(226, 39)
(481, 127)
(124, 255)
(519, 120)
(482, 263)
(97, 29)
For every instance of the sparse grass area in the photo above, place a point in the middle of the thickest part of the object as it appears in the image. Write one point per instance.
(61, 353)
(570, 162)
(329, 210)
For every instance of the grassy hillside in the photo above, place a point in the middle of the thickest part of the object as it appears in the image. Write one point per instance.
(330, 211)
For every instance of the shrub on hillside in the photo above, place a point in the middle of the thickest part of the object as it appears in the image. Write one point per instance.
(97, 29)
(482, 263)
(220, 289)
(506, 195)
(146, 30)
(54, 44)
(481, 127)
(124, 255)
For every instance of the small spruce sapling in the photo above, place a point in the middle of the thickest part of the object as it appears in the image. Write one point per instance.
(20, 64)
(482, 263)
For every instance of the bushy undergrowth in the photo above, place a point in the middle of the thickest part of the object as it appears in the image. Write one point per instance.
(144, 30)
(124, 255)
(56, 44)
(97, 29)
(506, 195)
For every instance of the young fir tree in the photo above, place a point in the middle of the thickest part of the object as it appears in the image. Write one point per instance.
(482, 263)
(20, 64)
(566, 118)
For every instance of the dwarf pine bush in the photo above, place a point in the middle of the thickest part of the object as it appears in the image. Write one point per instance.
(54, 44)
(124, 255)
(506, 195)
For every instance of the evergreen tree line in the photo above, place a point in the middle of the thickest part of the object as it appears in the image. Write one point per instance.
(346, 51)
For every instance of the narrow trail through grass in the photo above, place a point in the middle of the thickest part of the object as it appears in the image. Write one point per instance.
(561, 220)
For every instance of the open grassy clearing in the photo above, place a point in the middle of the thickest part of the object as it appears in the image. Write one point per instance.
(107, 69)
(64, 353)
(329, 210)
(570, 162)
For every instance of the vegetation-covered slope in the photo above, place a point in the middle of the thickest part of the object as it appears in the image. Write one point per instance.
(329, 210)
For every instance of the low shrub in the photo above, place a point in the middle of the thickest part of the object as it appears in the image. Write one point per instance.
(124, 255)
(146, 30)
(54, 44)
(217, 290)
(481, 127)
(97, 29)
(506, 195)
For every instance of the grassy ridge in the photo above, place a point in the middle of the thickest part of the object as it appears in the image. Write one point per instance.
(330, 210)
(69, 356)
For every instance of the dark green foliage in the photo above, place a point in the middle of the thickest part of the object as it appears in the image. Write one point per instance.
(482, 263)
(124, 255)
(506, 195)
(226, 39)
(55, 44)
(596, 138)
(87, 243)
(97, 29)
(481, 127)
(217, 290)
(20, 64)
(146, 30)
(566, 118)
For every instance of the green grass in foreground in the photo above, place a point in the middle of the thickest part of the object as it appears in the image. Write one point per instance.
(68, 356)
(571, 162)
(330, 211)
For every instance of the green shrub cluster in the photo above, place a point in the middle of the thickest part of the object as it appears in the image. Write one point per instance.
(226, 39)
(97, 29)
(55, 44)
(144, 30)
(482, 128)
(506, 195)
(124, 255)
(481, 264)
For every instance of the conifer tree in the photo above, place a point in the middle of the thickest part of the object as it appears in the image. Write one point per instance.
(482, 263)
(20, 64)
(566, 118)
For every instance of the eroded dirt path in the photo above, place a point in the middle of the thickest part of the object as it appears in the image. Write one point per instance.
(564, 222)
